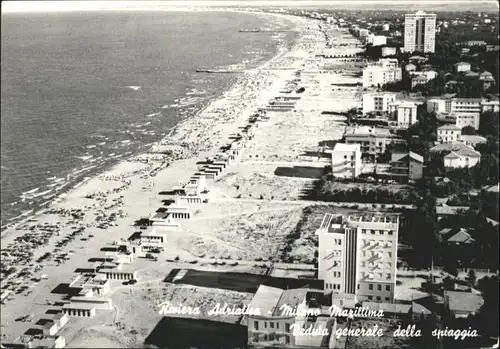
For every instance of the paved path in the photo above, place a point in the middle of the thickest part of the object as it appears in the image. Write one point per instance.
(314, 202)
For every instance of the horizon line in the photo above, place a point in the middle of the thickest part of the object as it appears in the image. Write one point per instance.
(59, 6)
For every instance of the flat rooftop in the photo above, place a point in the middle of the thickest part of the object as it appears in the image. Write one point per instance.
(347, 147)
(374, 217)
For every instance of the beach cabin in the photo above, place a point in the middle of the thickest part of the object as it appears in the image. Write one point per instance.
(178, 212)
(61, 319)
(91, 284)
(186, 200)
(102, 303)
(50, 328)
(80, 309)
(153, 237)
(117, 272)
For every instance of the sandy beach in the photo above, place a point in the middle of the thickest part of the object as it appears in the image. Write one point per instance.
(251, 209)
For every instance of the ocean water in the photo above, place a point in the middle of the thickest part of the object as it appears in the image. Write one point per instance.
(80, 91)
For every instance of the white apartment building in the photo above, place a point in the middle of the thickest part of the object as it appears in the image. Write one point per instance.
(490, 106)
(438, 105)
(420, 32)
(377, 103)
(346, 160)
(385, 27)
(388, 51)
(378, 40)
(460, 106)
(465, 105)
(386, 70)
(404, 112)
(358, 256)
(449, 134)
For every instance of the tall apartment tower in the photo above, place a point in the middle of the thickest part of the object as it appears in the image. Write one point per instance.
(358, 256)
(420, 32)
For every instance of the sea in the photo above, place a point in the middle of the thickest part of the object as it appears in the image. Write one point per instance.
(82, 90)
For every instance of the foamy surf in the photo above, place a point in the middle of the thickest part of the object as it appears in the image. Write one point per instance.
(85, 157)
(134, 88)
(29, 192)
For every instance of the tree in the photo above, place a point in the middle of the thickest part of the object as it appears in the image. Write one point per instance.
(489, 124)
(487, 319)
(469, 130)
(471, 277)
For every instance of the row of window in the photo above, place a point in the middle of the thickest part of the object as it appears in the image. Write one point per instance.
(372, 275)
(270, 337)
(332, 286)
(271, 325)
(379, 264)
(379, 287)
(387, 299)
(379, 254)
(373, 232)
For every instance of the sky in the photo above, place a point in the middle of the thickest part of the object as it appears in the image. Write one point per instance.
(46, 6)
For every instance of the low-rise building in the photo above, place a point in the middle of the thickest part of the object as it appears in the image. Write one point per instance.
(410, 67)
(346, 160)
(377, 103)
(462, 304)
(96, 283)
(418, 80)
(458, 236)
(462, 67)
(444, 210)
(373, 140)
(472, 140)
(462, 158)
(493, 106)
(449, 134)
(383, 72)
(281, 313)
(407, 166)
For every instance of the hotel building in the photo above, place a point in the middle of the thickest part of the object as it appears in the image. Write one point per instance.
(420, 32)
(404, 112)
(377, 103)
(384, 71)
(373, 140)
(346, 160)
(358, 256)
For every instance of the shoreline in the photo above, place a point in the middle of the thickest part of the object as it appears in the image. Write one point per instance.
(26, 215)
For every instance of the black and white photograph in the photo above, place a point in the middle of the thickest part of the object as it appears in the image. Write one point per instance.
(303, 174)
